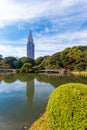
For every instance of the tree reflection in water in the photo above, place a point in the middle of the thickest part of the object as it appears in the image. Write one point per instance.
(27, 96)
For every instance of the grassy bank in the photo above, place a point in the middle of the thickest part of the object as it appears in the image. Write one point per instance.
(82, 73)
(40, 124)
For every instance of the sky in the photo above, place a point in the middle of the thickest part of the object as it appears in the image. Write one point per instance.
(55, 25)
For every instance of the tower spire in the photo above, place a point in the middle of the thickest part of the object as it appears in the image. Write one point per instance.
(30, 38)
(30, 46)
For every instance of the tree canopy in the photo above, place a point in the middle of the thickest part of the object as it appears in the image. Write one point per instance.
(74, 58)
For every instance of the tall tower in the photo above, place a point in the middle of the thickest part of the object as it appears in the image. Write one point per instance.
(30, 46)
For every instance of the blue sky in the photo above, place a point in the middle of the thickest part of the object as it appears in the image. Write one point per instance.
(55, 24)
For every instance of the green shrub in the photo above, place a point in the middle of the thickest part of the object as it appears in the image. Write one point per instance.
(67, 107)
(17, 71)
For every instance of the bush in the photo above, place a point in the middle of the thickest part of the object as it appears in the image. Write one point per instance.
(27, 67)
(67, 107)
(36, 68)
(17, 71)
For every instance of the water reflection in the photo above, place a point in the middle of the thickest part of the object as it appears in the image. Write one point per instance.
(22, 100)
(30, 93)
(24, 97)
(54, 80)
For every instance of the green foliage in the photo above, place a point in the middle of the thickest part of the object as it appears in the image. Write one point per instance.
(74, 58)
(17, 64)
(67, 107)
(27, 67)
(39, 60)
(64, 56)
(24, 60)
(17, 71)
(69, 58)
(10, 61)
(75, 55)
(36, 68)
(80, 67)
(45, 63)
(55, 61)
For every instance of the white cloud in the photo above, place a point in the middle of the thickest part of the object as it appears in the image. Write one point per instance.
(20, 27)
(11, 12)
(14, 11)
(59, 12)
(49, 45)
(8, 50)
(45, 45)
(9, 88)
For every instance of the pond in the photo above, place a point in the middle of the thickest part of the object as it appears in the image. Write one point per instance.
(23, 98)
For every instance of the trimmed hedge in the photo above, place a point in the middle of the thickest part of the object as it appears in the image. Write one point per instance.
(67, 107)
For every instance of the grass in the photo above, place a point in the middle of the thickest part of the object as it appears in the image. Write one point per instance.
(40, 124)
(82, 73)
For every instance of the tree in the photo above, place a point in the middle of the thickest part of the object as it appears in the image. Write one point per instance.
(27, 67)
(24, 60)
(17, 64)
(55, 61)
(36, 68)
(64, 56)
(10, 61)
(75, 55)
(39, 60)
(45, 63)
(80, 67)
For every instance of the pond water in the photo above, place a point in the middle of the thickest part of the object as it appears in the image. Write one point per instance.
(23, 98)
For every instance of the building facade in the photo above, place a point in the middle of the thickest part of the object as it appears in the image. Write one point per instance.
(30, 46)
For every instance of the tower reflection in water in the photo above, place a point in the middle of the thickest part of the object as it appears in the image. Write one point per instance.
(30, 93)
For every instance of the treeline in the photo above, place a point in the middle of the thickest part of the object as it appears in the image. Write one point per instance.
(74, 58)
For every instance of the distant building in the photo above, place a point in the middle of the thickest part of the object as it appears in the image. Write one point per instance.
(1, 56)
(30, 46)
